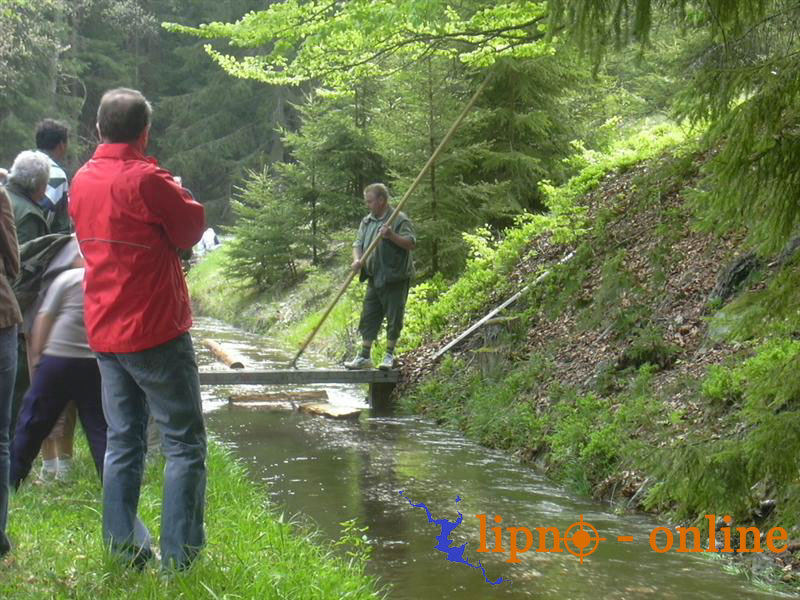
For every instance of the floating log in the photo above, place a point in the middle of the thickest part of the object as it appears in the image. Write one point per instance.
(324, 409)
(298, 396)
(293, 376)
(226, 356)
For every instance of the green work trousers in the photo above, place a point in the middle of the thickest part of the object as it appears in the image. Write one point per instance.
(387, 301)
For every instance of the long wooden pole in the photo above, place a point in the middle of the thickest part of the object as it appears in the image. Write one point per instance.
(371, 248)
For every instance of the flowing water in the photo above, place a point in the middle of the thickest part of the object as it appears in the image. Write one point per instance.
(330, 471)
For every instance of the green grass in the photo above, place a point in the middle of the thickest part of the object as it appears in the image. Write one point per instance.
(584, 437)
(252, 551)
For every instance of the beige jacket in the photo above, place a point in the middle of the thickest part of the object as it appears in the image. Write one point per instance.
(9, 264)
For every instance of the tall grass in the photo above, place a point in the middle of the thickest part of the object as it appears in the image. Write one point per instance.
(252, 551)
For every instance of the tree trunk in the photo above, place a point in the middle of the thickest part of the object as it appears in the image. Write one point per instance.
(313, 214)
(432, 173)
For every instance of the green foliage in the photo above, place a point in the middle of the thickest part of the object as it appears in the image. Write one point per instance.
(648, 347)
(340, 43)
(763, 382)
(495, 412)
(216, 132)
(334, 156)
(268, 235)
(521, 131)
(592, 438)
(757, 449)
(433, 94)
(739, 73)
(585, 439)
(355, 542)
(722, 386)
(770, 309)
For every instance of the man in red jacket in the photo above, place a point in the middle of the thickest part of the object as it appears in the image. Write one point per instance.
(131, 218)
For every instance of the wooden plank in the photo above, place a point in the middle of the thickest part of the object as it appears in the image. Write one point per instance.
(289, 396)
(296, 376)
(464, 335)
(324, 409)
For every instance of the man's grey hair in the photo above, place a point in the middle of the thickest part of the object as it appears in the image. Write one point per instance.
(377, 189)
(30, 171)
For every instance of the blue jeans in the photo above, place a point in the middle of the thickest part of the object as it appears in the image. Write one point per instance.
(8, 371)
(161, 381)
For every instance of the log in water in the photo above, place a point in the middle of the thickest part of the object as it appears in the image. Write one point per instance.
(228, 357)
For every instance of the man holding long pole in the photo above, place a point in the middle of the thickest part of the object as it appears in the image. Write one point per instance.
(388, 271)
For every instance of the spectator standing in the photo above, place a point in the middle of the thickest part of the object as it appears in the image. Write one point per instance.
(27, 183)
(10, 318)
(64, 367)
(132, 218)
(52, 138)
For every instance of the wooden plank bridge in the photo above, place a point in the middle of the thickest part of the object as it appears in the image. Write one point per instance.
(381, 383)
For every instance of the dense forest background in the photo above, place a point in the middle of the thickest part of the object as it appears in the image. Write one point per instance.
(314, 100)
(58, 57)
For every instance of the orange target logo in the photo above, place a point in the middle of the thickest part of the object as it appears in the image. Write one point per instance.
(582, 539)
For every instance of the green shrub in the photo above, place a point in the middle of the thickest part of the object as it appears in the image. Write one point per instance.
(757, 443)
(649, 347)
(721, 386)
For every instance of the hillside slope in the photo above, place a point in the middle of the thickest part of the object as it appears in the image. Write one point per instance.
(655, 368)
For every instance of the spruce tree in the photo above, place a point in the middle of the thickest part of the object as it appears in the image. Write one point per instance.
(270, 235)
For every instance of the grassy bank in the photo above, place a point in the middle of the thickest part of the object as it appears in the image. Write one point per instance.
(289, 312)
(252, 551)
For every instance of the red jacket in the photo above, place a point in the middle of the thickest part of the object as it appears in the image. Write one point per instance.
(130, 217)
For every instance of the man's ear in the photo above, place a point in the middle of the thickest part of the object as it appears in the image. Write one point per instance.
(144, 138)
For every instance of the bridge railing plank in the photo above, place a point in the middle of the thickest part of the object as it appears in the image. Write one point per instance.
(296, 376)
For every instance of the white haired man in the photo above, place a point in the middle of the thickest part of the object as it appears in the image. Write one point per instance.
(27, 183)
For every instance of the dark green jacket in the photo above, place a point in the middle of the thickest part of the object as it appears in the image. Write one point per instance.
(28, 216)
(389, 263)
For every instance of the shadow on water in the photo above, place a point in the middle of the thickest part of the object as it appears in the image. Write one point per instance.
(331, 471)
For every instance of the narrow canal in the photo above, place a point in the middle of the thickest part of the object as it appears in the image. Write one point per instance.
(328, 471)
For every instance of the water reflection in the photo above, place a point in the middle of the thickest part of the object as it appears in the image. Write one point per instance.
(331, 471)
